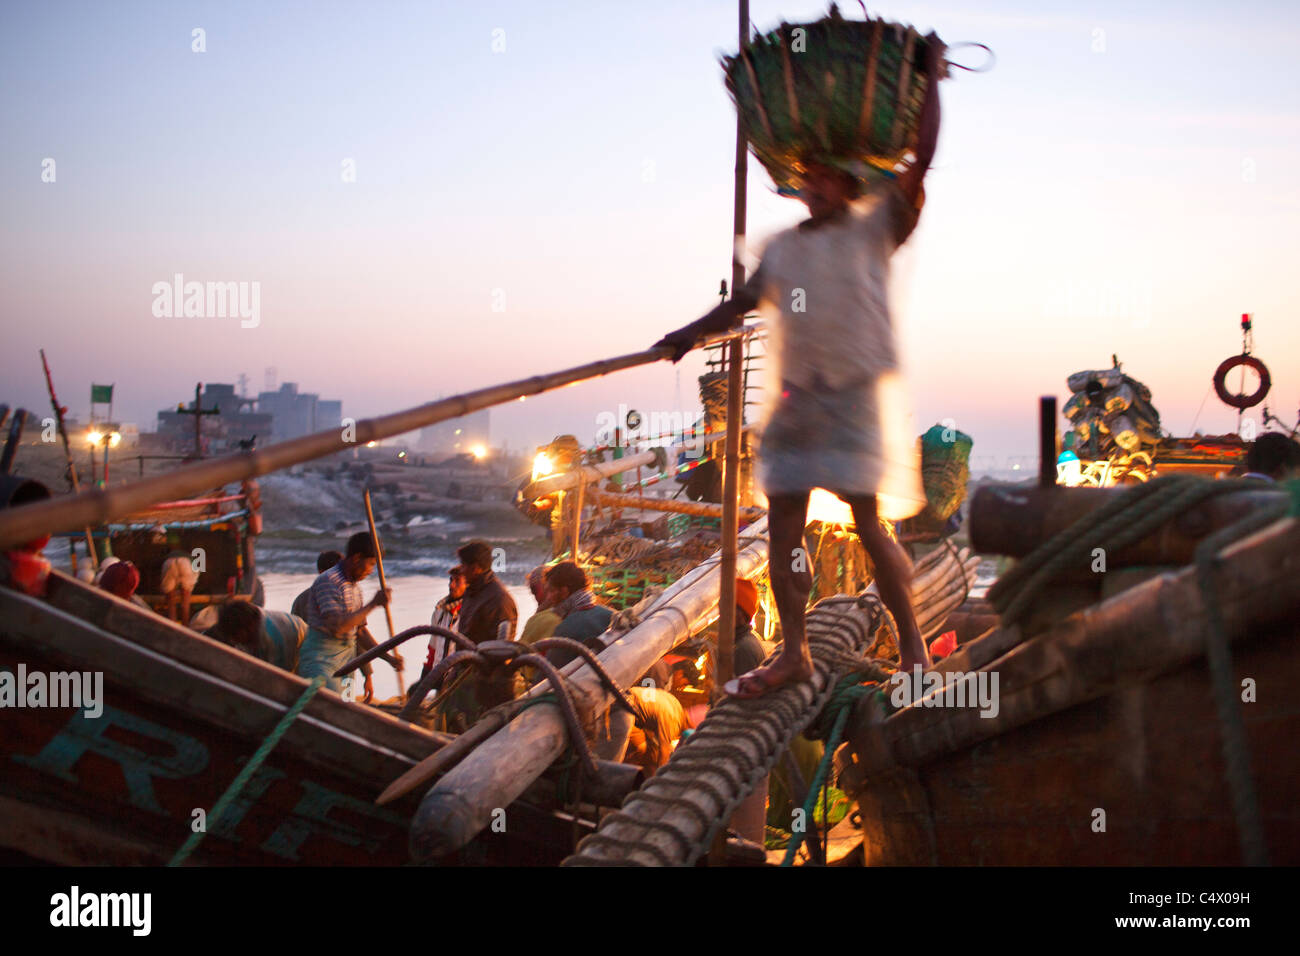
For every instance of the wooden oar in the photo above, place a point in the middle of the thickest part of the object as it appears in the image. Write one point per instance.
(383, 584)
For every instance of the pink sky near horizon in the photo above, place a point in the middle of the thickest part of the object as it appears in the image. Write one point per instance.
(1133, 200)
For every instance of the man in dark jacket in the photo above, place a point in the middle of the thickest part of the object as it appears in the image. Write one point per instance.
(485, 607)
(487, 604)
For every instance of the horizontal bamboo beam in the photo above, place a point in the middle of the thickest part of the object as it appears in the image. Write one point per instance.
(590, 473)
(102, 505)
(701, 508)
(593, 473)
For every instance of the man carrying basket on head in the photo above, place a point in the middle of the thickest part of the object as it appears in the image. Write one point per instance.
(822, 287)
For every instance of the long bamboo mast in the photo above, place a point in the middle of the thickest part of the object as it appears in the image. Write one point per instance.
(100, 506)
(735, 406)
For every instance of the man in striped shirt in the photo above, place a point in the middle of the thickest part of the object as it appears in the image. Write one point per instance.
(336, 610)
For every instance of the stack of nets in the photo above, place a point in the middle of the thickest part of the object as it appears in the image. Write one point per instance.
(1111, 414)
(834, 89)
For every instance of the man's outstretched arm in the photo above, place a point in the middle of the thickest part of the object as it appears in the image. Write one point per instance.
(722, 318)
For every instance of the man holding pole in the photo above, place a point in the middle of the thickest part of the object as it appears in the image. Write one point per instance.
(335, 612)
(823, 288)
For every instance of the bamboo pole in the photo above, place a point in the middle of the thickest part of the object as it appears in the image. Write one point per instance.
(699, 508)
(579, 495)
(100, 506)
(383, 586)
(593, 473)
(585, 475)
(725, 664)
(67, 454)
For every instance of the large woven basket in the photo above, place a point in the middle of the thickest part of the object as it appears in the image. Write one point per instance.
(839, 90)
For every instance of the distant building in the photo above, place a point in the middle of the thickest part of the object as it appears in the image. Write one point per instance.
(329, 414)
(271, 417)
(299, 413)
(458, 435)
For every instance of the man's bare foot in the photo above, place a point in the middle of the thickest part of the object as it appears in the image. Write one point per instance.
(786, 669)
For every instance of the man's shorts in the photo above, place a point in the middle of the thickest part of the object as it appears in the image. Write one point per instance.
(178, 572)
(822, 438)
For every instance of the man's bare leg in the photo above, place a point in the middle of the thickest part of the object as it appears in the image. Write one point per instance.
(788, 569)
(893, 580)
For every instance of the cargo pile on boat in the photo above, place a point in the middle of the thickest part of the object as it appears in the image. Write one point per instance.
(1111, 414)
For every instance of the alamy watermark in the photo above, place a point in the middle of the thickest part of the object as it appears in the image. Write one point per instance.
(654, 428)
(954, 689)
(76, 689)
(208, 300)
(75, 908)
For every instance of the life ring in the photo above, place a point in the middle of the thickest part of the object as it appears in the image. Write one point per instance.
(1241, 401)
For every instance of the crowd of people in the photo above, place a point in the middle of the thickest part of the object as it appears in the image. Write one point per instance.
(326, 626)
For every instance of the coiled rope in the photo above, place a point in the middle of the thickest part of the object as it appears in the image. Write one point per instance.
(1126, 519)
(1232, 736)
(848, 691)
(1118, 524)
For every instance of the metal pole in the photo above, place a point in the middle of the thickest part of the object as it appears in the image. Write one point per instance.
(1047, 441)
(198, 421)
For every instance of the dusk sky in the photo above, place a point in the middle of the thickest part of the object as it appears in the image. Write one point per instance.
(1125, 180)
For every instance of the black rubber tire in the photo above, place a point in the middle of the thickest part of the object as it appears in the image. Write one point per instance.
(1241, 401)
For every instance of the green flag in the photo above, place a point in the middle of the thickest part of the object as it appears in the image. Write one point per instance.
(101, 394)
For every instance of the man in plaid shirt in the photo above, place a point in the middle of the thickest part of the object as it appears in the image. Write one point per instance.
(335, 612)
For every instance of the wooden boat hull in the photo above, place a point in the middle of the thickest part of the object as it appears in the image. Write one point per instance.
(181, 715)
(1108, 748)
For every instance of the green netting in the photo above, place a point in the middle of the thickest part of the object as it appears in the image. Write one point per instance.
(945, 469)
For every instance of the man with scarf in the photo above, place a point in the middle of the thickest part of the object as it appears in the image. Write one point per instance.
(581, 618)
(445, 614)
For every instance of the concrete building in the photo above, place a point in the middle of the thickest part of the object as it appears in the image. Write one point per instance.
(271, 417)
(299, 413)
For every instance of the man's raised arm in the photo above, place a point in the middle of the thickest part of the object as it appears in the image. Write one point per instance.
(927, 134)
